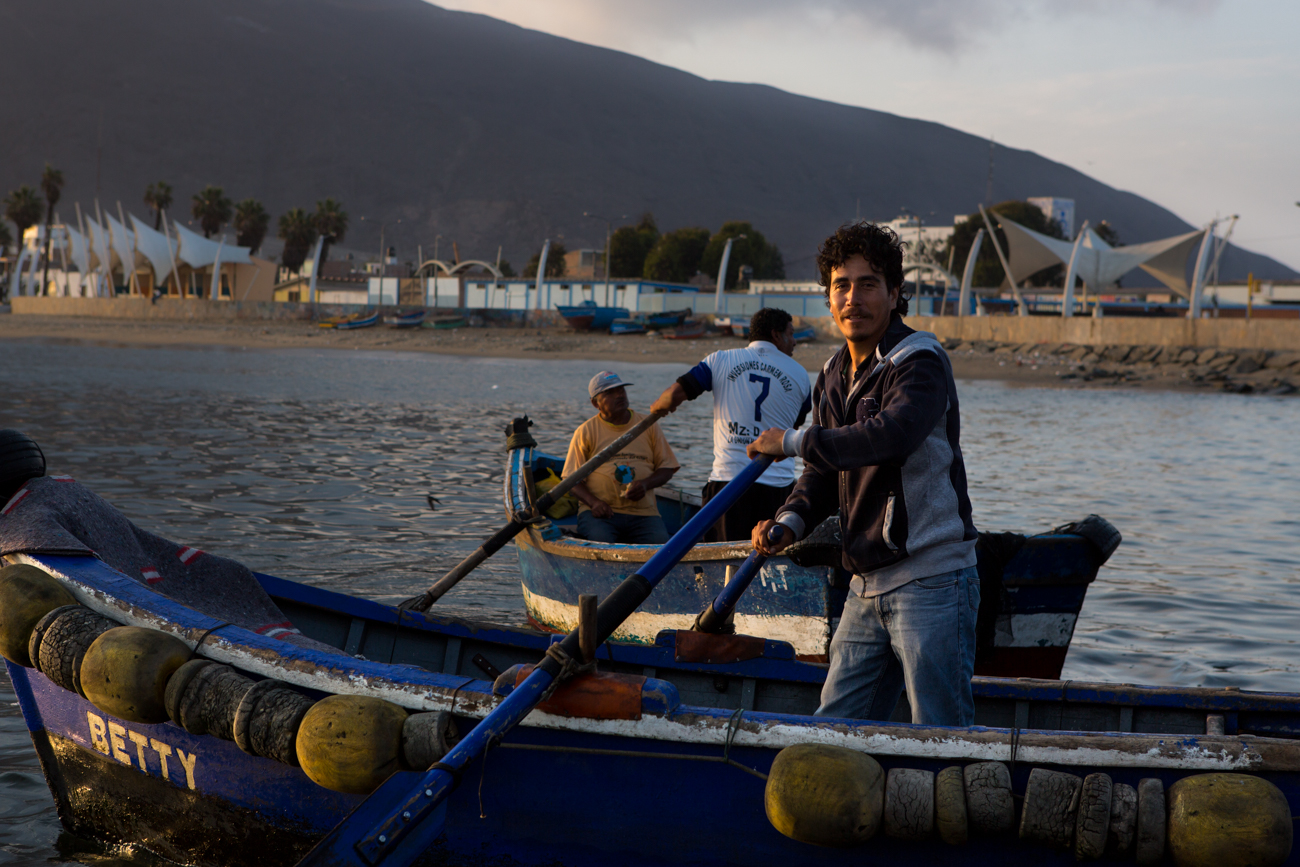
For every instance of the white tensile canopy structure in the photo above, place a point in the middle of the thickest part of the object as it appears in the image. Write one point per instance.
(124, 246)
(155, 247)
(200, 252)
(1099, 265)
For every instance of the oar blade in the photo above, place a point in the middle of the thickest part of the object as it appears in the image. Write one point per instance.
(355, 841)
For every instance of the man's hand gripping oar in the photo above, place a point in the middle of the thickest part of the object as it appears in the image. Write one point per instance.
(498, 540)
(399, 820)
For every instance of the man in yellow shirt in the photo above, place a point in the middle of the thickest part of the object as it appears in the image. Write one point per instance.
(617, 505)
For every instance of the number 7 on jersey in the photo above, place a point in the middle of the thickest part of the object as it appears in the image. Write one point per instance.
(762, 396)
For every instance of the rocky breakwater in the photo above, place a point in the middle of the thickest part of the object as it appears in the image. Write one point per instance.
(1243, 371)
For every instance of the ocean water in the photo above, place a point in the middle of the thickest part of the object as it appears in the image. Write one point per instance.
(315, 466)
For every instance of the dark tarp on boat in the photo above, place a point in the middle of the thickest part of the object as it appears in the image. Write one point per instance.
(56, 515)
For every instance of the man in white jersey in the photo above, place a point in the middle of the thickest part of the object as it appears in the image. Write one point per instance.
(755, 388)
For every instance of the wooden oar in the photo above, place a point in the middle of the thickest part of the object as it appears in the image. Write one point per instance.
(497, 540)
(399, 820)
(714, 617)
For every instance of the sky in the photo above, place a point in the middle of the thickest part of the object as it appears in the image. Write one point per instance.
(1194, 104)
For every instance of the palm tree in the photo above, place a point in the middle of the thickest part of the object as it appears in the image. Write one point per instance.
(211, 208)
(332, 222)
(52, 186)
(298, 231)
(251, 223)
(158, 198)
(23, 208)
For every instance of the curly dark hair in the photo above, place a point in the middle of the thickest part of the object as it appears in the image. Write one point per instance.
(768, 323)
(879, 245)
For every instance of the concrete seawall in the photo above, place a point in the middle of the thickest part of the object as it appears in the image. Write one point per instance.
(1267, 334)
(202, 310)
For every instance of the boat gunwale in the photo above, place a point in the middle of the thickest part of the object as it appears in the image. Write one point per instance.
(109, 592)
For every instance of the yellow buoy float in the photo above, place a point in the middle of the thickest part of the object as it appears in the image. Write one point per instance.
(26, 595)
(828, 796)
(125, 672)
(350, 743)
(1220, 820)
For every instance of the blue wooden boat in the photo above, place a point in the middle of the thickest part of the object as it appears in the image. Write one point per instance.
(588, 316)
(667, 319)
(674, 776)
(358, 321)
(1033, 587)
(805, 335)
(413, 319)
(627, 326)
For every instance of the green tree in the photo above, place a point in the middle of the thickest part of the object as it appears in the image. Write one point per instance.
(212, 208)
(1107, 233)
(554, 262)
(6, 238)
(675, 257)
(52, 187)
(753, 250)
(506, 269)
(298, 231)
(251, 223)
(23, 208)
(629, 246)
(331, 222)
(158, 198)
(988, 270)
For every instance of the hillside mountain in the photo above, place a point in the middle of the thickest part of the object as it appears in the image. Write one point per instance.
(473, 129)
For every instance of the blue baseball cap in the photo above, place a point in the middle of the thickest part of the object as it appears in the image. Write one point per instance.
(604, 381)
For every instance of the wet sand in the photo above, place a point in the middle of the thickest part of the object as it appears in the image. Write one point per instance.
(1039, 365)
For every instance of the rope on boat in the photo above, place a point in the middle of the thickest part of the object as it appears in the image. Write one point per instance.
(194, 654)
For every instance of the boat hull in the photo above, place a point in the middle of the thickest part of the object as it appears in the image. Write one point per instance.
(1027, 616)
(671, 798)
(671, 779)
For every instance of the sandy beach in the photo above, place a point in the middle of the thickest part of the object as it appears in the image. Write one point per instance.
(1063, 366)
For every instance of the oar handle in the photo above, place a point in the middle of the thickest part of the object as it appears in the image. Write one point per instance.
(714, 617)
(498, 540)
(390, 826)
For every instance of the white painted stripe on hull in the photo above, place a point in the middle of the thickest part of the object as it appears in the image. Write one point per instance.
(807, 634)
(1047, 629)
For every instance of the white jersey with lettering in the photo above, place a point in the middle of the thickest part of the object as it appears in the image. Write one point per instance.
(754, 389)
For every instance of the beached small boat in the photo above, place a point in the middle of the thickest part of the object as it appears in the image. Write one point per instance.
(587, 316)
(1032, 588)
(727, 324)
(691, 329)
(667, 319)
(414, 319)
(345, 323)
(673, 748)
(627, 326)
(805, 335)
(444, 321)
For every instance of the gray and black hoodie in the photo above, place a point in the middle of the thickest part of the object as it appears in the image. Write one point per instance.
(884, 450)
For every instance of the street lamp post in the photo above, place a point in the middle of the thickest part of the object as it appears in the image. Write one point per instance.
(383, 224)
(722, 274)
(608, 232)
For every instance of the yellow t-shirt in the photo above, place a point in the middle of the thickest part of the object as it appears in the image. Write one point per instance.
(644, 455)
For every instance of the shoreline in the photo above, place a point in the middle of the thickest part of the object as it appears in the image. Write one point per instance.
(1043, 365)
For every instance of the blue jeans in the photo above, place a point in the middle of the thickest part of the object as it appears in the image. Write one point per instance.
(624, 529)
(921, 635)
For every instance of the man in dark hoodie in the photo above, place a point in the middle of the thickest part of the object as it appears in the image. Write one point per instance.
(883, 450)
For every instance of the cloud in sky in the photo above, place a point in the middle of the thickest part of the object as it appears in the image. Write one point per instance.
(940, 25)
(1190, 103)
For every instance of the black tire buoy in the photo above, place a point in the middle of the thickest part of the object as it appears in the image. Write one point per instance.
(21, 459)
